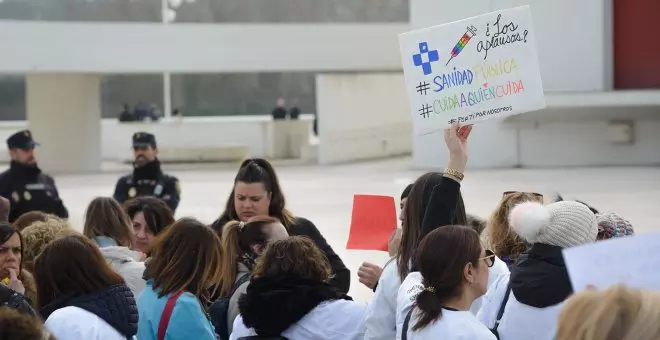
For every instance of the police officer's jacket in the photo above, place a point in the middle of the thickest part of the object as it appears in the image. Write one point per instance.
(29, 189)
(149, 180)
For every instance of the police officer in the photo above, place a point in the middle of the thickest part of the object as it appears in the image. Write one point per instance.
(24, 185)
(147, 178)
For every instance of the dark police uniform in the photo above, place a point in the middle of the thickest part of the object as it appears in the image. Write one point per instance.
(148, 179)
(26, 187)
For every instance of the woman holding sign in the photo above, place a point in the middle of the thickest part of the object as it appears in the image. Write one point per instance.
(434, 201)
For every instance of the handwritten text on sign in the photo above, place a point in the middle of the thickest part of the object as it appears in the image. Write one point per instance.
(491, 71)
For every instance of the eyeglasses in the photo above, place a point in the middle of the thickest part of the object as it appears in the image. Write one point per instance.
(535, 194)
(489, 258)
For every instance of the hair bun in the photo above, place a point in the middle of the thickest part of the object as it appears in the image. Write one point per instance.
(528, 220)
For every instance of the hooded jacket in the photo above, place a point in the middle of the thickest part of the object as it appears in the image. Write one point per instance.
(539, 286)
(296, 308)
(108, 314)
(124, 261)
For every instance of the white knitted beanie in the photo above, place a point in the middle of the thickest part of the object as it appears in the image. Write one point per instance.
(564, 224)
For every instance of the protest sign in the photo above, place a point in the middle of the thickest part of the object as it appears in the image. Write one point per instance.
(470, 70)
(372, 223)
(631, 260)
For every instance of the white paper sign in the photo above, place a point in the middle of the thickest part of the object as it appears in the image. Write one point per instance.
(475, 69)
(633, 260)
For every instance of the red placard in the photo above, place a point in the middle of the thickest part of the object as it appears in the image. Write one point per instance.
(373, 221)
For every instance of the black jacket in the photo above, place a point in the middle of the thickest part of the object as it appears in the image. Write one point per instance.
(115, 305)
(149, 180)
(539, 278)
(304, 227)
(442, 206)
(28, 189)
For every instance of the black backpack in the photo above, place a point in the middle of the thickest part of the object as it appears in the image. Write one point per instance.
(220, 308)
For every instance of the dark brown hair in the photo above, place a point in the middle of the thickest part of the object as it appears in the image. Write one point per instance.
(6, 232)
(418, 201)
(18, 326)
(501, 239)
(259, 170)
(477, 223)
(72, 265)
(237, 239)
(185, 257)
(105, 217)
(441, 258)
(30, 217)
(297, 256)
(156, 212)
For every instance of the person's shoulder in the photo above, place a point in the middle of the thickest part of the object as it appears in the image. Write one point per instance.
(76, 323)
(170, 178)
(409, 289)
(124, 179)
(5, 174)
(463, 325)
(47, 178)
(298, 221)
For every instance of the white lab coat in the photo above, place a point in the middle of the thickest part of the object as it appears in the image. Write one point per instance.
(453, 325)
(331, 320)
(519, 321)
(73, 323)
(413, 285)
(381, 313)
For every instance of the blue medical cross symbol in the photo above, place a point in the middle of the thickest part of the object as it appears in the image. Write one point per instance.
(425, 57)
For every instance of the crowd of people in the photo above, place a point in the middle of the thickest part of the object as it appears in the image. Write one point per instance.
(261, 272)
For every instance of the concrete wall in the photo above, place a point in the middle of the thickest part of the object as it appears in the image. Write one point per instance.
(575, 53)
(362, 116)
(574, 38)
(65, 112)
(253, 132)
(143, 48)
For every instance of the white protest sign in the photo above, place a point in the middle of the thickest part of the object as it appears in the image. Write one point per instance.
(475, 69)
(632, 260)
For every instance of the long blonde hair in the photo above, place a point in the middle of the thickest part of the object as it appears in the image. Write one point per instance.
(618, 313)
(237, 238)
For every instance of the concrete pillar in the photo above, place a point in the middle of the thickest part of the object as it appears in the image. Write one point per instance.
(64, 114)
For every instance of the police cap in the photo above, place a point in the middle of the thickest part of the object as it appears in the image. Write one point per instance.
(144, 139)
(21, 140)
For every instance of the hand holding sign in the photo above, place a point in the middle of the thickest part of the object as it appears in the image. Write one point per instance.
(491, 72)
(372, 223)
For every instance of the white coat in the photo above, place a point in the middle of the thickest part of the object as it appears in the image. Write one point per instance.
(519, 321)
(73, 323)
(413, 285)
(331, 320)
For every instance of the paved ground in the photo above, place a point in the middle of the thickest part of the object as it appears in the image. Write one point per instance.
(324, 194)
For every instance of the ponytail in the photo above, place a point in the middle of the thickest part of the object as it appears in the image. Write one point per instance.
(430, 308)
(237, 239)
(231, 247)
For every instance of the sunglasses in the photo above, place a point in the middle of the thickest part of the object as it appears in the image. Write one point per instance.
(489, 258)
(535, 194)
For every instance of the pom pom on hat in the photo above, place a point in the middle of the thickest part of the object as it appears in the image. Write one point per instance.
(563, 224)
(528, 220)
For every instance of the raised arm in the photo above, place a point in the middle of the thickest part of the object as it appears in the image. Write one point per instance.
(445, 198)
